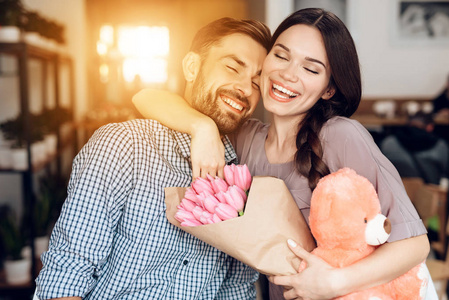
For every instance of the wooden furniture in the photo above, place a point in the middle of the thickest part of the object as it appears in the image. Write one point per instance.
(430, 200)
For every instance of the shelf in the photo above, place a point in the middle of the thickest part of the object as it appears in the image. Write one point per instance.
(32, 51)
(23, 52)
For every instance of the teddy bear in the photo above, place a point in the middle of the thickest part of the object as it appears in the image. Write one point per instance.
(347, 223)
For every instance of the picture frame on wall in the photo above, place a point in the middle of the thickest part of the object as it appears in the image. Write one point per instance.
(420, 22)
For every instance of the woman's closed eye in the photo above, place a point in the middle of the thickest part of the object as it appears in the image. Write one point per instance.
(311, 71)
(280, 57)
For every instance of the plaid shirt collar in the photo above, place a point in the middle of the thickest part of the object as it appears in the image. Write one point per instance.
(184, 140)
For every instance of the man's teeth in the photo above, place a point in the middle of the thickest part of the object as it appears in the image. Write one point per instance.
(232, 103)
(284, 90)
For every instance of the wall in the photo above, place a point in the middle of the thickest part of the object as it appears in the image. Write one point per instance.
(392, 69)
(72, 14)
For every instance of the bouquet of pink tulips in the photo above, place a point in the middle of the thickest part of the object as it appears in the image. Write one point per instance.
(210, 209)
(214, 200)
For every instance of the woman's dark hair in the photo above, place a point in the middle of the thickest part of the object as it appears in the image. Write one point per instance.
(345, 79)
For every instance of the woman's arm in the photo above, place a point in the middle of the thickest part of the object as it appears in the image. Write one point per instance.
(321, 281)
(171, 110)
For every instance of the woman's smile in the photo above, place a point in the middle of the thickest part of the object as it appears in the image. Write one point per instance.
(282, 93)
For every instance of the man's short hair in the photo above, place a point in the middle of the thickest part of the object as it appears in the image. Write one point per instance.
(213, 32)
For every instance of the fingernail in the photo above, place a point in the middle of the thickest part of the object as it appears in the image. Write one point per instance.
(291, 243)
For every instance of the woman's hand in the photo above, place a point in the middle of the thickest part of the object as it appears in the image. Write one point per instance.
(207, 151)
(318, 280)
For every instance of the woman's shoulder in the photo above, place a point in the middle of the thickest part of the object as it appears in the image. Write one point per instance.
(337, 127)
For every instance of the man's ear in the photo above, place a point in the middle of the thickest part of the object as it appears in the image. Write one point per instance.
(329, 93)
(191, 66)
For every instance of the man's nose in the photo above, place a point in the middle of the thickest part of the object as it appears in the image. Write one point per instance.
(244, 86)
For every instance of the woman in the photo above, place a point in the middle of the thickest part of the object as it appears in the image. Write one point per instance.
(310, 83)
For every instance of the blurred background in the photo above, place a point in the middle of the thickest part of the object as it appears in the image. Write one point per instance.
(69, 66)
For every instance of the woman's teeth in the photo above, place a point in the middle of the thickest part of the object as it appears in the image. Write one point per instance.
(283, 90)
(232, 103)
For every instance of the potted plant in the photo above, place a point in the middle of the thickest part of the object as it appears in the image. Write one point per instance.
(42, 221)
(33, 27)
(11, 20)
(54, 120)
(13, 130)
(17, 267)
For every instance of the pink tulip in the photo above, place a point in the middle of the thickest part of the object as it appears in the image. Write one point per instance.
(242, 177)
(182, 215)
(220, 196)
(191, 223)
(202, 197)
(215, 218)
(235, 199)
(206, 217)
(197, 212)
(190, 194)
(187, 204)
(229, 171)
(242, 192)
(210, 202)
(225, 211)
(219, 185)
(202, 185)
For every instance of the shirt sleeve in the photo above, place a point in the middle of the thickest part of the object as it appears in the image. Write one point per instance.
(239, 282)
(82, 238)
(348, 144)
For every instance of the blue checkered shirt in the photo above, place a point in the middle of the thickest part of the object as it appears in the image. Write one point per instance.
(112, 239)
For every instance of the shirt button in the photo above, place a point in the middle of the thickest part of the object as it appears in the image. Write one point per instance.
(185, 262)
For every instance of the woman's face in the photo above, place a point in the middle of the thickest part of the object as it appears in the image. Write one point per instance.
(296, 72)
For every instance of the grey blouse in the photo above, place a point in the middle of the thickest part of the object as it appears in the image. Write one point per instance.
(346, 143)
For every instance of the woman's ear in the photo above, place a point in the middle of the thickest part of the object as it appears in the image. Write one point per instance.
(329, 93)
(191, 66)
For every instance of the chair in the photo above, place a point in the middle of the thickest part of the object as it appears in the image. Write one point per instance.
(431, 200)
(412, 184)
(439, 271)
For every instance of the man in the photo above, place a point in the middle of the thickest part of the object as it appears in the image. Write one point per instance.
(416, 152)
(112, 239)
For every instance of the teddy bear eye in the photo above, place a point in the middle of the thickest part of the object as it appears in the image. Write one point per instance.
(366, 221)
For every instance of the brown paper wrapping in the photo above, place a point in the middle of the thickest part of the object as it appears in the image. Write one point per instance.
(259, 237)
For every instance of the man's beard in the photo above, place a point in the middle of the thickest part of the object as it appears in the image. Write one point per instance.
(207, 102)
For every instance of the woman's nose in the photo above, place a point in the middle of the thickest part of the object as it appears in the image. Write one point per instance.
(290, 72)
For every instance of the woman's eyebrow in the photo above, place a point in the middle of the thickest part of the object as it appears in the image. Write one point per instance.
(282, 46)
(315, 61)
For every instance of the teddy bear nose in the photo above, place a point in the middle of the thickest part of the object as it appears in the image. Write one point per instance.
(387, 226)
(377, 230)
